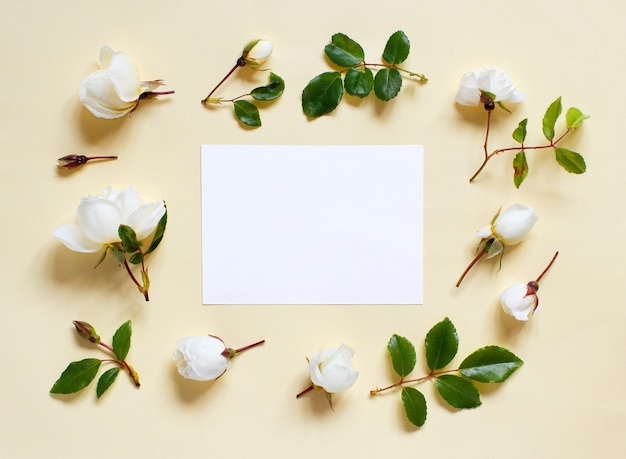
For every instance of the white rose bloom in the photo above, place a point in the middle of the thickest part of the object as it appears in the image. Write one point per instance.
(99, 218)
(519, 301)
(201, 358)
(487, 80)
(256, 52)
(511, 226)
(332, 369)
(114, 90)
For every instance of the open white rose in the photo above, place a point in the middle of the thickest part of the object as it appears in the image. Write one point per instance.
(520, 300)
(511, 226)
(256, 52)
(332, 369)
(99, 218)
(201, 358)
(489, 83)
(115, 89)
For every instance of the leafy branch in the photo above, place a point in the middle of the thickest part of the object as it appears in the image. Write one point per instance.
(569, 160)
(80, 373)
(490, 364)
(324, 92)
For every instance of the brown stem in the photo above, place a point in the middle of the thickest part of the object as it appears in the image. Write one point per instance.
(241, 349)
(473, 262)
(305, 391)
(240, 63)
(410, 381)
(139, 286)
(547, 267)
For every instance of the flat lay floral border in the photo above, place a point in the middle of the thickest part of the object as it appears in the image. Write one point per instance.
(129, 228)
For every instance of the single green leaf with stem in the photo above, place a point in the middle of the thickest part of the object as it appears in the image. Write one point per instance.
(574, 118)
(403, 357)
(344, 51)
(76, 376)
(571, 161)
(106, 379)
(247, 113)
(121, 340)
(519, 134)
(128, 236)
(359, 82)
(414, 404)
(442, 343)
(457, 391)
(490, 364)
(520, 168)
(271, 91)
(387, 83)
(136, 258)
(159, 232)
(397, 48)
(550, 117)
(322, 95)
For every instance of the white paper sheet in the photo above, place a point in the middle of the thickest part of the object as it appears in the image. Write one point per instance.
(312, 224)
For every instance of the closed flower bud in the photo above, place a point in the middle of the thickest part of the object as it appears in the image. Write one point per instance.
(87, 331)
(511, 226)
(73, 161)
(520, 300)
(201, 358)
(332, 370)
(256, 52)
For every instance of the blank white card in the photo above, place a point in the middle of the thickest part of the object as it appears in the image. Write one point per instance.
(312, 224)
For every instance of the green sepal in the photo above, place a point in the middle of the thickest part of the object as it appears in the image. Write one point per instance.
(458, 392)
(490, 364)
(359, 82)
(387, 83)
(442, 344)
(549, 119)
(494, 248)
(247, 113)
(571, 161)
(344, 51)
(121, 340)
(414, 406)
(272, 91)
(503, 107)
(322, 95)
(103, 256)
(520, 168)
(519, 134)
(397, 48)
(158, 233)
(402, 353)
(574, 118)
(76, 376)
(118, 254)
(106, 379)
(128, 236)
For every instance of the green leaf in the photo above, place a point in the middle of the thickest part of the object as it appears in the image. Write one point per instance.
(414, 406)
(457, 391)
(570, 160)
(490, 364)
(519, 134)
(271, 91)
(397, 48)
(136, 258)
(105, 381)
(359, 82)
(76, 376)
(158, 233)
(574, 118)
(121, 340)
(549, 119)
(387, 83)
(403, 357)
(442, 343)
(322, 94)
(344, 51)
(129, 238)
(520, 168)
(247, 113)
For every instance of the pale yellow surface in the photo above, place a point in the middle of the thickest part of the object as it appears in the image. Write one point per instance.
(566, 401)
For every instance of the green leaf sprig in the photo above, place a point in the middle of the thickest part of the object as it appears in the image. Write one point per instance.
(490, 364)
(79, 374)
(324, 92)
(246, 112)
(132, 248)
(569, 160)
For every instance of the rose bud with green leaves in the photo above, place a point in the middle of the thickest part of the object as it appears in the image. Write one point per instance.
(506, 229)
(520, 300)
(331, 371)
(116, 89)
(256, 52)
(204, 358)
(117, 222)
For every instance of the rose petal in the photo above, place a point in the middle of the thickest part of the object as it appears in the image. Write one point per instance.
(99, 219)
(124, 77)
(106, 54)
(128, 200)
(145, 219)
(74, 239)
(98, 95)
(467, 95)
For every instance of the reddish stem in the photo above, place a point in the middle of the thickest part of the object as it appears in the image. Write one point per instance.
(305, 391)
(241, 349)
(547, 267)
(240, 63)
(473, 262)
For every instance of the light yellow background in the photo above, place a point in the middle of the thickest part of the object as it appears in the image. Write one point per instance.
(566, 401)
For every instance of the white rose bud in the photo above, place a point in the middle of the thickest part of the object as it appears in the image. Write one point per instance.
(332, 371)
(256, 52)
(486, 86)
(511, 226)
(520, 300)
(201, 358)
